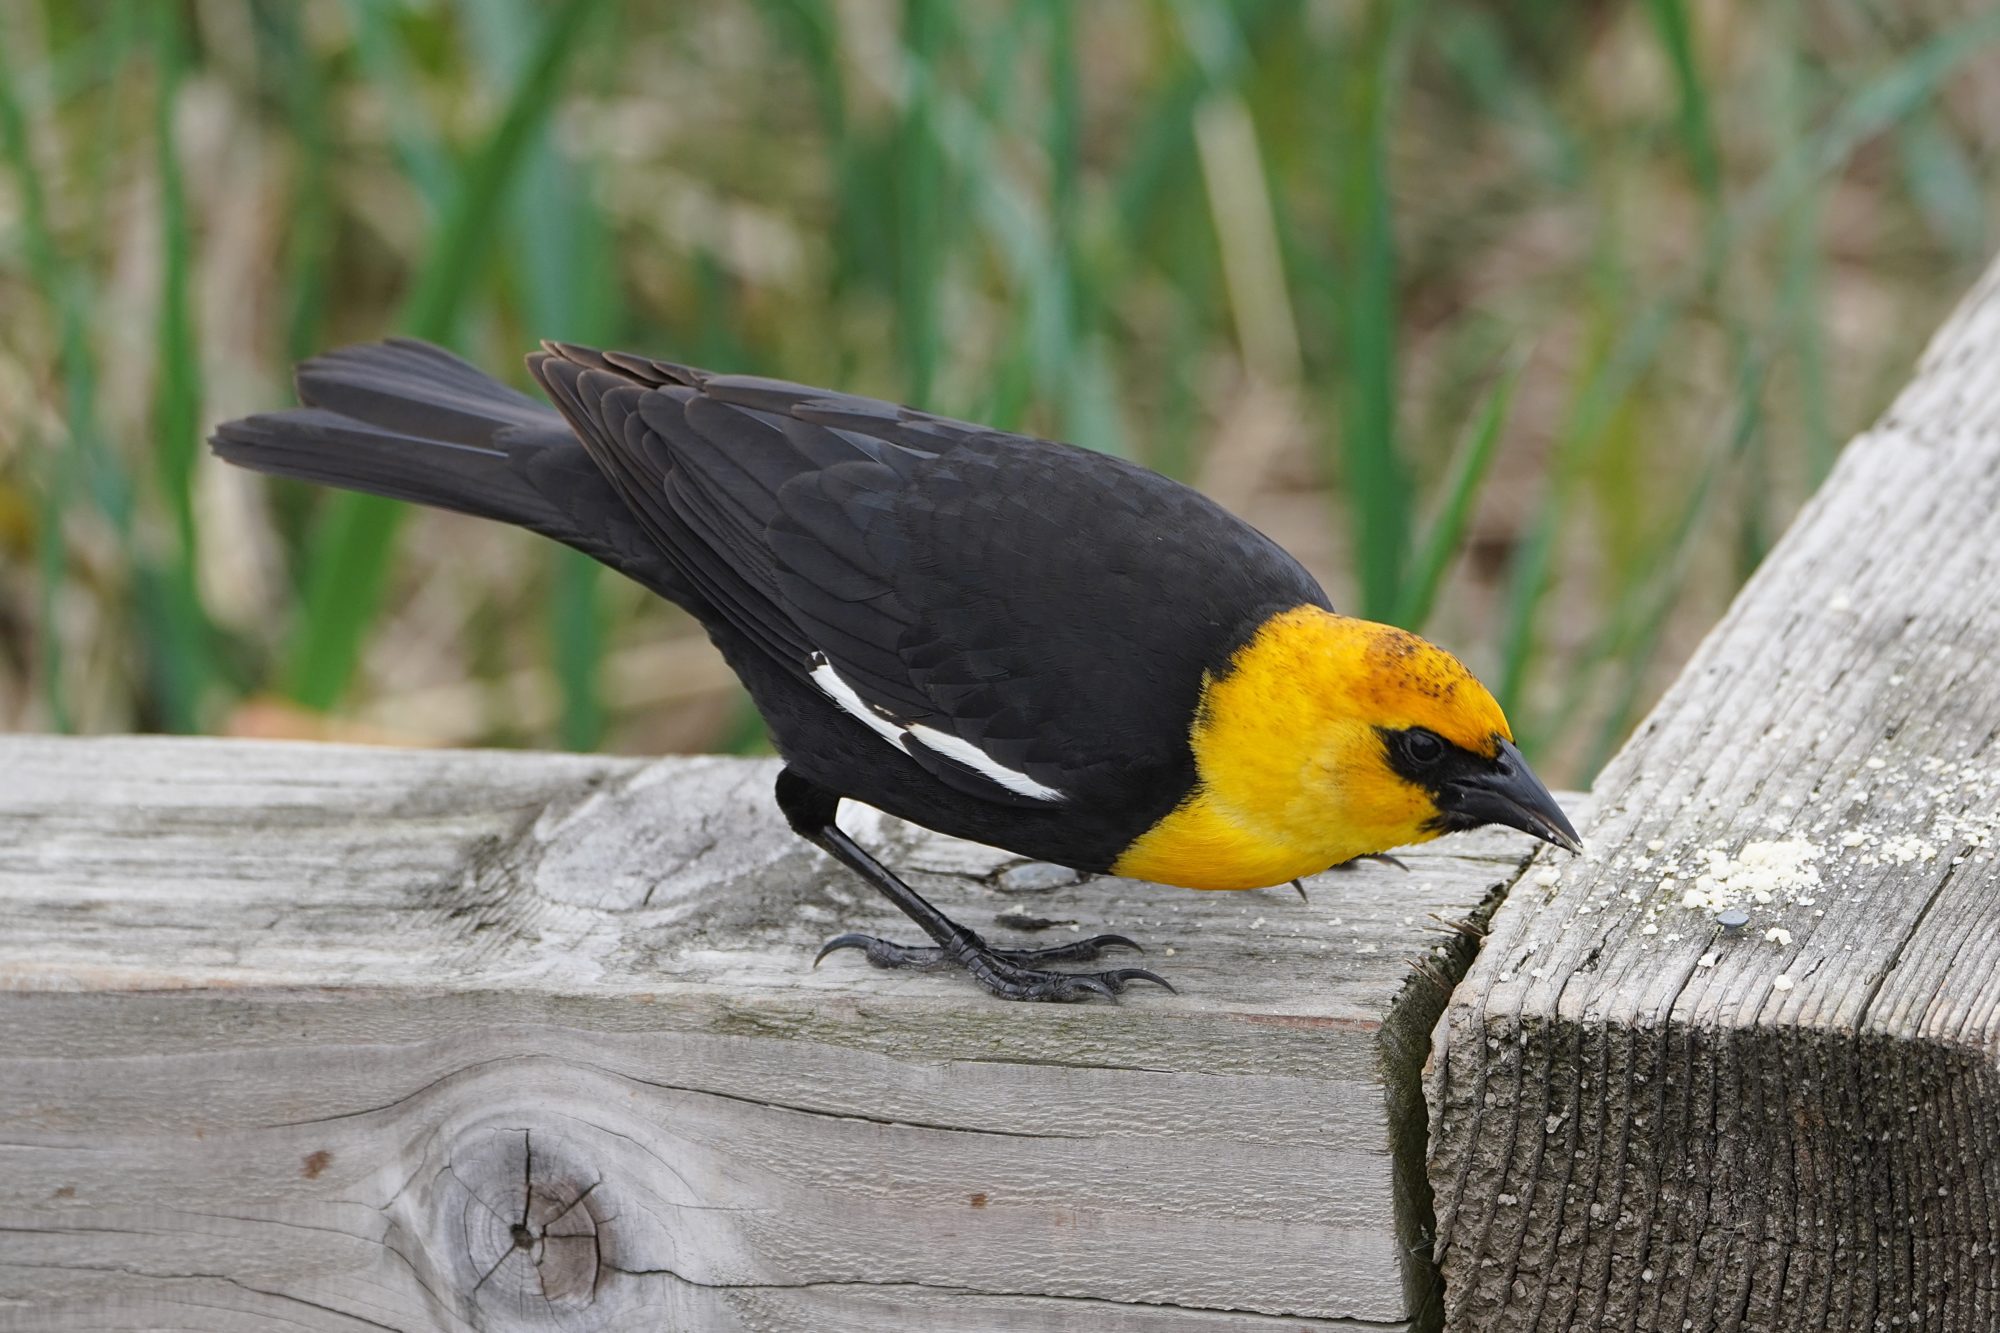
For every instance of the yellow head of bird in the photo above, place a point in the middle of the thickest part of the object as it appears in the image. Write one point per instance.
(1326, 738)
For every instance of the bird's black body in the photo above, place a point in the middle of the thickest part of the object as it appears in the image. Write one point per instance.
(1049, 605)
(997, 637)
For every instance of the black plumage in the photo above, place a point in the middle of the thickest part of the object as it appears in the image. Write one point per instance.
(1014, 618)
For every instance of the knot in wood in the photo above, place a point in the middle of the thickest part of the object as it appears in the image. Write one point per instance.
(517, 1211)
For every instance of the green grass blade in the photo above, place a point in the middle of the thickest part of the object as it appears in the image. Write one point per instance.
(1608, 383)
(917, 184)
(384, 58)
(57, 480)
(577, 644)
(1377, 490)
(303, 83)
(466, 235)
(1247, 236)
(1944, 183)
(562, 248)
(1697, 133)
(1905, 87)
(184, 668)
(1695, 124)
(1048, 352)
(87, 467)
(1472, 44)
(1801, 273)
(349, 555)
(1635, 634)
(862, 234)
(1469, 466)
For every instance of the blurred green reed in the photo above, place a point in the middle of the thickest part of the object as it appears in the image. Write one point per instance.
(348, 560)
(1172, 229)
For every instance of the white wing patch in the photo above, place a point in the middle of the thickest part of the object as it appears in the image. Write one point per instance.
(983, 763)
(833, 687)
(900, 736)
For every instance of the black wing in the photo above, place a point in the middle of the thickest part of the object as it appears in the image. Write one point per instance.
(1028, 621)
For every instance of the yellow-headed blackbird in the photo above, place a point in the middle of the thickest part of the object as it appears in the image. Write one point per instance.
(1001, 638)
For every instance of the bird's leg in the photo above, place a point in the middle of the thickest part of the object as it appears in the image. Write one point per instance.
(1012, 974)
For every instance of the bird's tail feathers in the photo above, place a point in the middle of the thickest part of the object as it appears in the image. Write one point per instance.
(410, 421)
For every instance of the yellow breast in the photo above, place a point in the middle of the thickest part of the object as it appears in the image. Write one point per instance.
(1202, 845)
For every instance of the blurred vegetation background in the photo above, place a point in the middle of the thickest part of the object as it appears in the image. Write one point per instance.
(1526, 324)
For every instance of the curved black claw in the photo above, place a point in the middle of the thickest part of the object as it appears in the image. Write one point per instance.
(886, 953)
(1382, 857)
(929, 957)
(1076, 951)
(1012, 974)
(1011, 982)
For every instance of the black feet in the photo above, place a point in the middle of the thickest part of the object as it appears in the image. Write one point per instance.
(1012, 974)
(930, 957)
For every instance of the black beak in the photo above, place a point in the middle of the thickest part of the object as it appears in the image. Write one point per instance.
(1509, 793)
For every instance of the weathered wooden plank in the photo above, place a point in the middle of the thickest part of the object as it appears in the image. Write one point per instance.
(297, 1036)
(1643, 1121)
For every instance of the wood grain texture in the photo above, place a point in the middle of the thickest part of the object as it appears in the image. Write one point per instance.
(334, 1038)
(1642, 1121)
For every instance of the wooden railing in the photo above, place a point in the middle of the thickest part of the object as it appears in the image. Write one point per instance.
(341, 1038)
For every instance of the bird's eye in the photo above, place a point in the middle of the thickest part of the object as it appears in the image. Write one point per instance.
(1422, 747)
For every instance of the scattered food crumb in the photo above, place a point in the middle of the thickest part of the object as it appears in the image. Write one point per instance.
(1709, 959)
(1779, 936)
(1758, 873)
(1907, 848)
(1781, 982)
